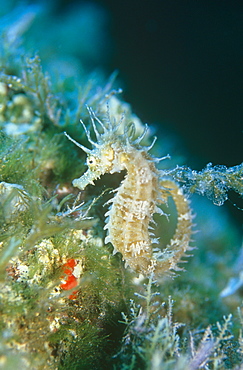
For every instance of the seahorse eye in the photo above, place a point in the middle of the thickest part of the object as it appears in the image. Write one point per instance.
(91, 161)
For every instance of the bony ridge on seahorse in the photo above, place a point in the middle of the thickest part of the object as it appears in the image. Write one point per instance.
(143, 189)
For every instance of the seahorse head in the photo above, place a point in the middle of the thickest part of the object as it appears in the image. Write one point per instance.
(110, 151)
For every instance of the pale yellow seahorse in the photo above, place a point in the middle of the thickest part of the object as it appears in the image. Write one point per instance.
(143, 189)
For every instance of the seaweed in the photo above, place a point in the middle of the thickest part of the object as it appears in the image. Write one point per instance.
(213, 181)
(152, 339)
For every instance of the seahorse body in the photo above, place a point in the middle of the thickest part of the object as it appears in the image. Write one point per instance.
(143, 189)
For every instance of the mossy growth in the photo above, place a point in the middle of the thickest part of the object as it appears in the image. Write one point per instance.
(154, 340)
(42, 313)
(43, 317)
(213, 181)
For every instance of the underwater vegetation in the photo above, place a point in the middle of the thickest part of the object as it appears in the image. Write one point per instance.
(91, 260)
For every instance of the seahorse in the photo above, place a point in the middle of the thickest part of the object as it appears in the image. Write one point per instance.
(129, 221)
